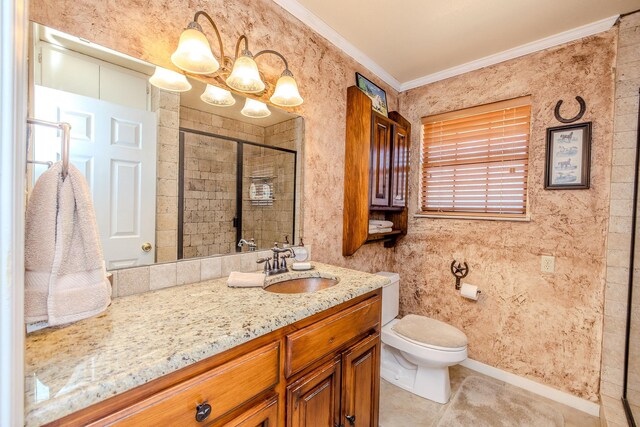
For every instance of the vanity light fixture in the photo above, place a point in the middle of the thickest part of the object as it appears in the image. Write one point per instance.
(286, 93)
(194, 52)
(169, 80)
(194, 55)
(255, 109)
(217, 96)
(245, 76)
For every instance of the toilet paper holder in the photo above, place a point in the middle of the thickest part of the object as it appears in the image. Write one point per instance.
(460, 271)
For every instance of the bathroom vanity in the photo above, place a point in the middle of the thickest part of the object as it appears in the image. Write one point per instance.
(206, 354)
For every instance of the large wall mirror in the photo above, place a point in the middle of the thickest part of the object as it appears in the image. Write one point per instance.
(172, 177)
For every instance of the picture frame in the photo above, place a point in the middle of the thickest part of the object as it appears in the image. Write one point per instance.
(568, 157)
(378, 95)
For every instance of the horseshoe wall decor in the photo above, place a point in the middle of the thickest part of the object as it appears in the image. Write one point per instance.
(583, 108)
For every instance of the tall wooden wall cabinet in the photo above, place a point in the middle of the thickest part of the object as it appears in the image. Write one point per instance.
(376, 173)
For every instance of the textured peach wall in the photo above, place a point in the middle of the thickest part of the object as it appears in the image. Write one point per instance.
(546, 327)
(150, 29)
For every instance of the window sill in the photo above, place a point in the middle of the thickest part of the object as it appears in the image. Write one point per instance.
(474, 217)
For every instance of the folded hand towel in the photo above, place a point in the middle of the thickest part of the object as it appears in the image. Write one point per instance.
(380, 223)
(301, 266)
(65, 278)
(245, 280)
(379, 230)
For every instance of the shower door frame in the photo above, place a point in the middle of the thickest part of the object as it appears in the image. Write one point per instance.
(625, 402)
(240, 143)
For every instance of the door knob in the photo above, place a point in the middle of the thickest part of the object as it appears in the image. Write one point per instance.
(351, 419)
(147, 247)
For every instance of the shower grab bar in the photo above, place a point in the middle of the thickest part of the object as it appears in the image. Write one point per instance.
(66, 138)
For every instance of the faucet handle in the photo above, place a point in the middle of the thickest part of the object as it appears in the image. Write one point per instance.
(267, 265)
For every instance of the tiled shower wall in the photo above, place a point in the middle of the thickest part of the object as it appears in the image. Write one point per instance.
(273, 222)
(167, 106)
(619, 236)
(209, 196)
(210, 181)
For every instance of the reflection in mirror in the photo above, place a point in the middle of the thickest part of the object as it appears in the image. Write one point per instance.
(166, 170)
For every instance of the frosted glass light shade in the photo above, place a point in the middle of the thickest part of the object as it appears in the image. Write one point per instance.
(169, 80)
(255, 109)
(217, 96)
(286, 93)
(245, 76)
(194, 53)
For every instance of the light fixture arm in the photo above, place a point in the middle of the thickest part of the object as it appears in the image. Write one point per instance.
(278, 54)
(246, 46)
(194, 24)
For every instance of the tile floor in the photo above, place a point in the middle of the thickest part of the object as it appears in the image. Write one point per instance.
(399, 408)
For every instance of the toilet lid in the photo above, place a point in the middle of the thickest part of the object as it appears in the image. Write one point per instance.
(430, 331)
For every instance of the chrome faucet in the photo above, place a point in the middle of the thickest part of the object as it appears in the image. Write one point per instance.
(279, 264)
(251, 243)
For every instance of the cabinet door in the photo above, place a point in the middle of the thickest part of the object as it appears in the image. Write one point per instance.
(314, 400)
(400, 169)
(361, 383)
(264, 414)
(380, 162)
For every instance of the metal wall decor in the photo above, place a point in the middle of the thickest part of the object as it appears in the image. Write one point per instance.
(459, 271)
(583, 108)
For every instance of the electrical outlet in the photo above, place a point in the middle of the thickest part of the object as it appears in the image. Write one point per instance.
(547, 264)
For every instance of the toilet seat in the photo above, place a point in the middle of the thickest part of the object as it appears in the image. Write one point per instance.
(433, 347)
(427, 351)
(430, 332)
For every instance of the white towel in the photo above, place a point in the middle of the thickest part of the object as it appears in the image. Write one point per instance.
(380, 223)
(380, 230)
(245, 280)
(65, 279)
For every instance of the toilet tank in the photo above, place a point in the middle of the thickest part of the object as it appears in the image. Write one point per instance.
(390, 297)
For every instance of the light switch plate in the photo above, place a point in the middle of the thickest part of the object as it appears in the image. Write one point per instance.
(547, 264)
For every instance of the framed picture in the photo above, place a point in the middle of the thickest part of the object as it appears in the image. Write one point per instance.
(568, 164)
(378, 96)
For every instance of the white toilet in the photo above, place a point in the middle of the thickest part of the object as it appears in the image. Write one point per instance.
(416, 350)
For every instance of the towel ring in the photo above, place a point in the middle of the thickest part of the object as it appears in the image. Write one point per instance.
(66, 138)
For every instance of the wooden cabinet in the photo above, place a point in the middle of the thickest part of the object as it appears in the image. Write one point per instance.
(314, 400)
(327, 375)
(380, 175)
(208, 396)
(376, 173)
(389, 164)
(264, 414)
(400, 169)
(343, 392)
(360, 372)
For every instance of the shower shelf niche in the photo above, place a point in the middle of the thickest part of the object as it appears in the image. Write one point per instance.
(261, 190)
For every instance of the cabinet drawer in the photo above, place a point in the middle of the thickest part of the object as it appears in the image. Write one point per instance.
(326, 336)
(224, 388)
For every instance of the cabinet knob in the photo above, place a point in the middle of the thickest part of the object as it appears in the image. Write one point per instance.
(202, 412)
(351, 419)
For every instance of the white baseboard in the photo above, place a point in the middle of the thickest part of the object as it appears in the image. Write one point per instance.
(534, 387)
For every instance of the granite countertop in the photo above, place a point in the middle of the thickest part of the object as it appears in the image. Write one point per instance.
(142, 337)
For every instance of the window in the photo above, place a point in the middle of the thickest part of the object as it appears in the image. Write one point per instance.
(475, 161)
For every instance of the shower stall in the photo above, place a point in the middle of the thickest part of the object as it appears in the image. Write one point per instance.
(231, 189)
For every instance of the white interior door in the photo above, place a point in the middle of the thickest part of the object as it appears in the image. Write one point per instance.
(115, 148)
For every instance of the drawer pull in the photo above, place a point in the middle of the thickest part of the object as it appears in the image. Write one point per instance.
(202, 412)
(351, 419)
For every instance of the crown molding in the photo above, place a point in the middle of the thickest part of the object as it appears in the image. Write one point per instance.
(318, 25)
(312, 21)
(525, 49)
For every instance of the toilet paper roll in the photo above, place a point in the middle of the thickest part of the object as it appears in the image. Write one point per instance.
(469, 291)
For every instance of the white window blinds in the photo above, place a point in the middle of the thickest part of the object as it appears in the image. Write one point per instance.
(475, 161)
